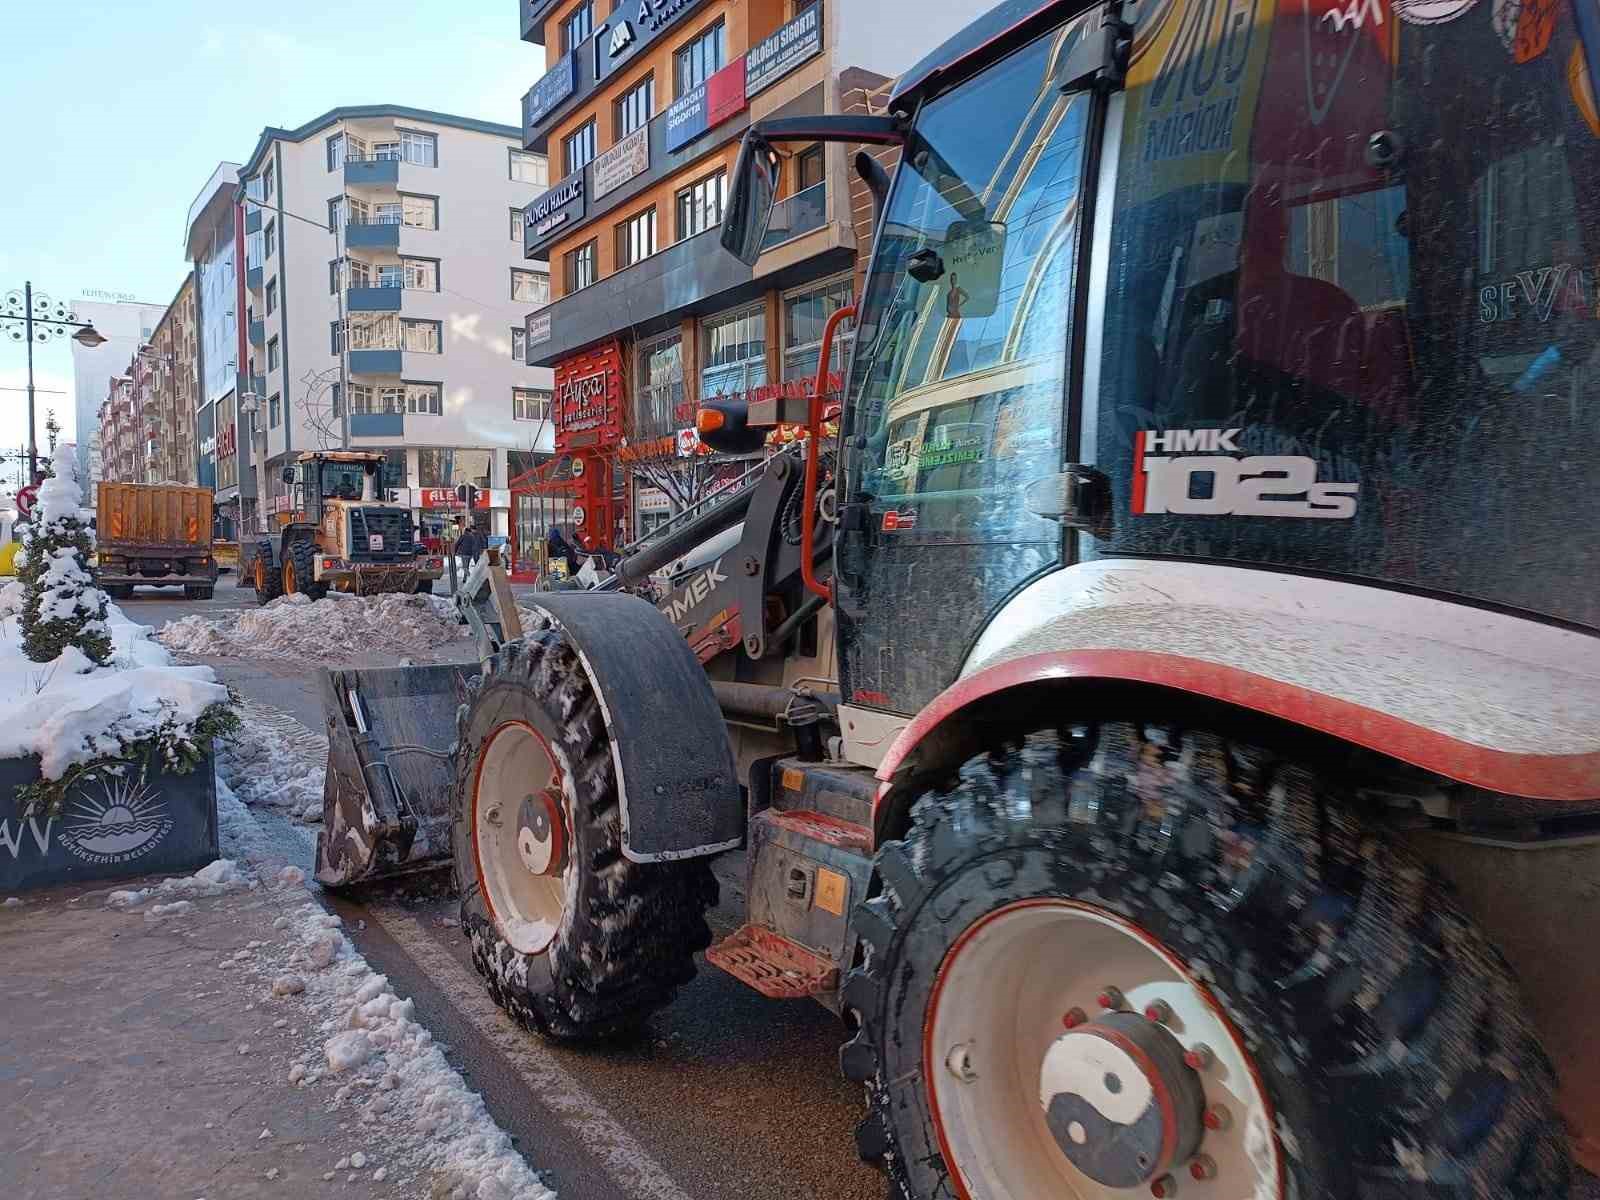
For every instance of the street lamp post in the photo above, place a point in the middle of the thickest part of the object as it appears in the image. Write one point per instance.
(34, 317)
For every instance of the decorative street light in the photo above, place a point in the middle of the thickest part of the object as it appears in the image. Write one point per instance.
(33, 317)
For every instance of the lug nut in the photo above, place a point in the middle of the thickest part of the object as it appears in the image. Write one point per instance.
(1164, 1188)
(959, 1063)
(1074, 1017)
(492, 815)
(1198, 1057)
(1218, 1117)
(1202, 1167)
(1158, 1011)
(1112, 998)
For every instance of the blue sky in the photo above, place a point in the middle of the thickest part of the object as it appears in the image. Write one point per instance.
(117, 113)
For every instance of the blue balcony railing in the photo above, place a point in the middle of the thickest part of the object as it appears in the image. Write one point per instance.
(800, 213)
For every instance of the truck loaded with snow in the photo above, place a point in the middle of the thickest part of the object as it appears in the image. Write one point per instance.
(155, 534)
(332, 533)
(1174, 726)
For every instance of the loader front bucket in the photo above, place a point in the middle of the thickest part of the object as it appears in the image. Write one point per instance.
(386, 797)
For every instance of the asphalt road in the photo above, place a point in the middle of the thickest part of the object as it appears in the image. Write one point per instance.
(725, 1095)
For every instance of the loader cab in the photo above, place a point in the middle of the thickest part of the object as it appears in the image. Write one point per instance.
(1311, 287)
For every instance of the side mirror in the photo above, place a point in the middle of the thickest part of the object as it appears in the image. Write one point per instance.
(724, 425)
(288, 474)
(972, 256)
(755, 190)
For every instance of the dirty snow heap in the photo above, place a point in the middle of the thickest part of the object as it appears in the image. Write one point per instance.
(61, 608)
(336, 629)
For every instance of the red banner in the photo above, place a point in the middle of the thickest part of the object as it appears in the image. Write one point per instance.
(446, 498)
(589, 398)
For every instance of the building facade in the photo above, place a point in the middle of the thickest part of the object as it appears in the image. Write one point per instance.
(213, 243)
(126, 325)
(122, 449)
(642, 112)
(384, 298)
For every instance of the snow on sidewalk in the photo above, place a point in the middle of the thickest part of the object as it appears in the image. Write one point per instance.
(356, 1048)
(338, 628)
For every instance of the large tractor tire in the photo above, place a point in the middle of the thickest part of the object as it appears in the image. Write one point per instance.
(266, 577)
(576, 941)
(1103, 960)
(299, 570)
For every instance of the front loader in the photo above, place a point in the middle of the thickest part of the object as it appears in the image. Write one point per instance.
(1166, 725)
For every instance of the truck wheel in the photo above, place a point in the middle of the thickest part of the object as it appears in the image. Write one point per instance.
(1106, 958)
(119, 591)
(268, 583)
(299, 571)
(198, 591)
(576, 941)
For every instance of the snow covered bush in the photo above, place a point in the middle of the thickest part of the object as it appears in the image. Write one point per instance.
(62, 607)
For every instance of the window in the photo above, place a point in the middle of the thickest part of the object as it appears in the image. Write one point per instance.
(529, 168)
(733, 351)
(272, 354)
(577, 27)
(516, 224)
(699, 60)
(357, 212)
(419, 149)
(360, 398)
(272, 296)
(387, 275)
(580, 265)
(335, 146)
(700, 205)
(658, 398)
(419, 212)
(519, 344)
(636, 238)
(387, 212)
(422, 274)
(425, 398)
(636, 106)
(530, 404)
(374, 331)
(808, 168)
(386, 151)
(333, 276)
(439, 467)
(270, 238)
(274, 404)
(577, 148)
(390, 398)
(335, 338)
(530, 287)
(422, 337)
(268, 182)
(336, 216)
(804, 314)
(337, 396)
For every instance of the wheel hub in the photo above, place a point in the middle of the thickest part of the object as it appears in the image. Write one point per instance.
(1119, 1100)
(540, 836)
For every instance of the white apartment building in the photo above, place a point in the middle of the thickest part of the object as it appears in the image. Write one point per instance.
(385, 296)
(126, 325)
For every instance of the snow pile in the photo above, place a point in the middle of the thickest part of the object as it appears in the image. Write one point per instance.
(70, 711)
(278, 764)
(335, 629)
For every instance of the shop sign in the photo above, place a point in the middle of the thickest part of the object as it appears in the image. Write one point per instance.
(707, 106)
(446, 498)
(627, 159)
(538, 326)
(227, 443)
(562, 205)
(554, 86)
(588, 398)
(789, 389)
(632, 26)
(208, 446)
(770, 59)
(688, 442)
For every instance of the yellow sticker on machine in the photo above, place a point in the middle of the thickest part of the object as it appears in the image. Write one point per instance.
(833, 889)
(794, 779)
(1194, 76)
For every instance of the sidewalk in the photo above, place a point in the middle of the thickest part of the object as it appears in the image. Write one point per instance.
(215, 1037)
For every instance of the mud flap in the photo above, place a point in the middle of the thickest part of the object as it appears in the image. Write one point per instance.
(386, 796)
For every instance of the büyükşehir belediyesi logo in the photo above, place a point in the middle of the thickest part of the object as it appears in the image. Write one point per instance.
(126, 820)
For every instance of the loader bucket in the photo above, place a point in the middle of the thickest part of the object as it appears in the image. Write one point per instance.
(386, 796)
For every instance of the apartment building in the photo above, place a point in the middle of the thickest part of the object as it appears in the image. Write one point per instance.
(642, 110)
(384, 297)
(147, 416)
(214, 244)
(126, 325)
(122, 448)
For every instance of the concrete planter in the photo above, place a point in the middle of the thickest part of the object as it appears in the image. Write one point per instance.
(111, 829)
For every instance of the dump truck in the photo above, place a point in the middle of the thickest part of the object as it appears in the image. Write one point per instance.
(1169, 734)
(154, 535)
(333, 533)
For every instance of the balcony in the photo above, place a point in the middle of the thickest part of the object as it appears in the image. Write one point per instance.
(383, 298)
(799, 214)
(372, 170)
(376, 234)
(252, 279)
(379, 424)
(252, 219)
(375, 362)
(258, 333)
(533, 14)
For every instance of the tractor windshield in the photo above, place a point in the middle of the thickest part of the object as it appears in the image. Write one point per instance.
(1351, 315)
(341, 481)
(957, 378)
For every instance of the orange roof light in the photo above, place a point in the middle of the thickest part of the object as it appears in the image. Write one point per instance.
(709, 420)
